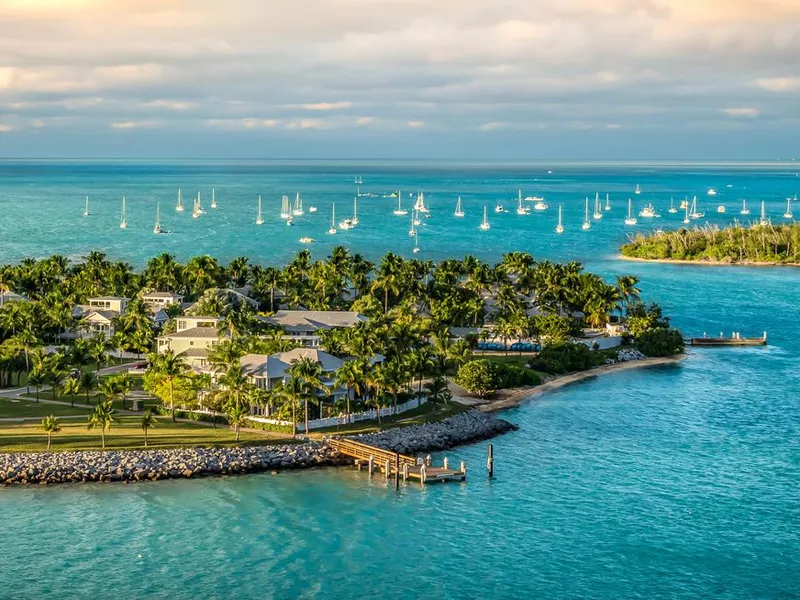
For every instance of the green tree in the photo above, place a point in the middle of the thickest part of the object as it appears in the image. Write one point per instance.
(37, 378)
(171, 368)
(87, 382)
(437, 392)
(477, 378)
(71, 388)
(146, 422)
(50, 425)
(103, 417)
(237, 416)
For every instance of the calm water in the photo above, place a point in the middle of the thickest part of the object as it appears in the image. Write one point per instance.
(676, 482)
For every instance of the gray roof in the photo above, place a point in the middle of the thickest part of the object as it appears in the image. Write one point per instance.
(196, 332)
(329, 361)
(161, 295)
(106, 314)
(194, 353)
(264, 365)
(107, 298)
(316, 319)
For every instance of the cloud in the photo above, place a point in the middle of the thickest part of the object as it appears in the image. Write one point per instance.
(4, 128)
(126, 125)
(494, 125)
(365, 120)
(327, 106)
(779, 84)
(749, 113)
(416, 124)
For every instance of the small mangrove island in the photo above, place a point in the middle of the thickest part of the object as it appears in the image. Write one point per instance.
(754, 244)
(148, 364)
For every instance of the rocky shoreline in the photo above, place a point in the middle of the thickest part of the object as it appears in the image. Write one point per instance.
(460, 429)
(152, 465)
(183, 463)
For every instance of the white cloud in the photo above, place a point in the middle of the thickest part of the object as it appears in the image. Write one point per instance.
(365, 120)
(327, 106)
(5, 128)
(493, 125)
(416, 124)
(126, 125)
(779, 84)
(170, 104)
(744, 112)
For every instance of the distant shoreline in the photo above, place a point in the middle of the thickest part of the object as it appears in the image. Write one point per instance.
(513, 398)
(706, 262)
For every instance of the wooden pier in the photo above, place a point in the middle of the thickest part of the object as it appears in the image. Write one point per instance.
(391, 463)
(734, 340)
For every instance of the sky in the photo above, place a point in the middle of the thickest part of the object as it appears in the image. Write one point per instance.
(450, 79)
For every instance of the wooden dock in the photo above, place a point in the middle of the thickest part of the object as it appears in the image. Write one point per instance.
(734, 340)
(391, 463)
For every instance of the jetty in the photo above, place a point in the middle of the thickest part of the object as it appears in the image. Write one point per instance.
(393, 463)
(734, 340)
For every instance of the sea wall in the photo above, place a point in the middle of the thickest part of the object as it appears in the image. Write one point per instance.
(463, 428)
(151, 465)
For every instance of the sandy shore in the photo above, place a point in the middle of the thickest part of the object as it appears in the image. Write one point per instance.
(706, 263)
(513, 398)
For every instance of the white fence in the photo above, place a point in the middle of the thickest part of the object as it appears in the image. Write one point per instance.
(367, 415)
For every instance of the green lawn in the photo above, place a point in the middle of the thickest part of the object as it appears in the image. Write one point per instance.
(26, 407)
(28, 437)
(423, 414)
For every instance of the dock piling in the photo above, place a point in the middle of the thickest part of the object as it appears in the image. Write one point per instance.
(371, 464)
(397, 471)
(490, 461)
(387, 468)
(446, 463)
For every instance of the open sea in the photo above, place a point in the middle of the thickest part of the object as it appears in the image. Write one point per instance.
(669, 482)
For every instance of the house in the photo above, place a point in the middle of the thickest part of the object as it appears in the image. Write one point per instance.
(157, 301)
(97, 316)
(192, 339)
(267, 371)
(306, 326)
(98, 321)
(116, 304)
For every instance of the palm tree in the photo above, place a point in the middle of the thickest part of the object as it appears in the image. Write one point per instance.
(99, 347)
(628, 292)
(147, 421)
(26, 341)
(124, 385)
(37, 378)
(351, 377)
(292, 392)
(109, 388)
(103, 417)
(171, 368)
(309, 373)
(234, 388)
(87, 382)
(80, 354)
(237, 416)
(377, 378)
(50, 425)
(71, 388)
(437, 392)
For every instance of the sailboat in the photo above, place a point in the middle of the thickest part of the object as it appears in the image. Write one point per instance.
(259, 216)
(179, 205)
(764, 219)
(499, 208)
(298, 211)
(357, 180)
(521, 210)
(459, 211)
(608, 203)
(560, 226)
(213, 199)
(684, 203)
(672, 210)
(415, 218)
(586, 224)
(400, 211)
(157, 228)
(86, 207)
(123, 222)
(788, 213)
(200, 208)
(413, 229)
(196, 207)
(598, 208)
(745, 210)
(419, 206)
(694, 213)
(649, 212)
(351, 223)
(332, 229)
(285, 208)
(485, 223)
(638, 190)
(721, 209)
(540, 204)
(630, 219)
(416, 242)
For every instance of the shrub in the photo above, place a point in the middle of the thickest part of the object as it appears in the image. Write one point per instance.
(565, 357)
(483, 377)
(660, 342)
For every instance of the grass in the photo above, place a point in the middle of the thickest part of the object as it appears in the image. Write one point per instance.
(28, 437)
(423, 414)
(26, 407)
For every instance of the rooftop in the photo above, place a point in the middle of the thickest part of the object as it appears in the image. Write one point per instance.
(318, 319)
(161, 295)
(195, 332)
(329, 361)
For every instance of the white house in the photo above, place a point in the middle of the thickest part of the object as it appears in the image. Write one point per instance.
(306, 326)
(192, 339)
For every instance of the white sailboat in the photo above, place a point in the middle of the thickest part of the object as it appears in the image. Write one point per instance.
(357, 180)
(721, 209)
(298, 211)
(355, 211)
(312, 209)
(608, 203)
(684, 203)
(332, 229)
(711, 192)
(694, 213)
(499, 208)
(123, 222)
(764, 219)
(788, 213)
(419, 206)
(485, 223)
(413, 229)
(560, 226)
(415, 218)
(598, 208)
(86, 207)
(259, 216)
(179, 205)
(745, 210)
(648, 212)
(630, 219)
(521, 210)
(459, 213)
(196, 207)
(157, 227)
(638, 190)
(586, 223)
(400, 211)
(672, 210)
(213, 199)
(416, 242)
(200, 208)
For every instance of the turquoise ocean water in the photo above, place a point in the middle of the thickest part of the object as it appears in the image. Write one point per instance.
(671, 482)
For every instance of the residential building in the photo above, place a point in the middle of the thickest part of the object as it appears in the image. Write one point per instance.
(306, 326)
(160, 300)
(192, 339)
